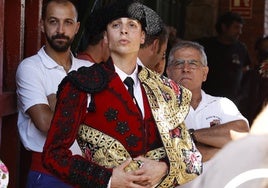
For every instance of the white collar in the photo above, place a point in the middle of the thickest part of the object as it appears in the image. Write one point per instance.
(123, 75)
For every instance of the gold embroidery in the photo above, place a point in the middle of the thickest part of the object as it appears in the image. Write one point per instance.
(110, 152)
(157, 94)
(169, 115)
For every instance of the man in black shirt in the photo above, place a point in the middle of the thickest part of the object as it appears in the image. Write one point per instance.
(228, 61)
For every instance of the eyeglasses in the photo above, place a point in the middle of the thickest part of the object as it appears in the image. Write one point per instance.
(192, 63)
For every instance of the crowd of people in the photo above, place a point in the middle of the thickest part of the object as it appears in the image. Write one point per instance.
(119, 115)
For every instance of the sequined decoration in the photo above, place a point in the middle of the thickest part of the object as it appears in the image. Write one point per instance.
(111, 114)
(122, 127)
(132, 140)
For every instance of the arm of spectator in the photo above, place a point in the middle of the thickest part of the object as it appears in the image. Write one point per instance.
(52, 100)
(32, 95)
(207, 151)
(41, 115)
(219, 135)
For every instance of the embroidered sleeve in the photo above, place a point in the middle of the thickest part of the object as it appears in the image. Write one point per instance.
(75, 169)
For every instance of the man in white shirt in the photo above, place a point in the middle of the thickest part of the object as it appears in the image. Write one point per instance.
(210, 118)
(37, 81)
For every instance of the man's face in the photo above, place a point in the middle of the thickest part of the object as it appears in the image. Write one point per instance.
(160, 67)
(233, 31)
(154, 55)
(60, 25)
(124, 36)
(161, 59)
(187, 69)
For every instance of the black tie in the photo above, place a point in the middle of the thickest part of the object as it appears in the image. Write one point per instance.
(130, 82)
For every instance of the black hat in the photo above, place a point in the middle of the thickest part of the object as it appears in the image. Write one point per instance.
(94, 26)
(154, 24)
(125, 8)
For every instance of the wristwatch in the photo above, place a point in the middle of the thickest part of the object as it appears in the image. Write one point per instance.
(191, 133)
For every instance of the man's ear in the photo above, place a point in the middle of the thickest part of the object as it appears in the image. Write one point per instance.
(155, 45)
(42, 26)
(205, 73)
(105, 37)
(77, 27)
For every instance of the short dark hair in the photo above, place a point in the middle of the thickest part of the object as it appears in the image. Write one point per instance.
(162, 36)
(94, 27)
(46, 2)
(228, 18)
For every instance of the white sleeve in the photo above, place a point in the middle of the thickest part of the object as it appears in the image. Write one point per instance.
(229, 110)
(109, 184)
(30, 86)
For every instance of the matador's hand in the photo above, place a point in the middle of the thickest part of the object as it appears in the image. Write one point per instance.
(153, 169)
(120, 178)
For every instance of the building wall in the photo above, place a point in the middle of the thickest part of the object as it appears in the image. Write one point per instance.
(200, 19)
(20, 37)
(266, 18)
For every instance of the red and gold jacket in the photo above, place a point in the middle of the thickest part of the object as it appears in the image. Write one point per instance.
(110, 111)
